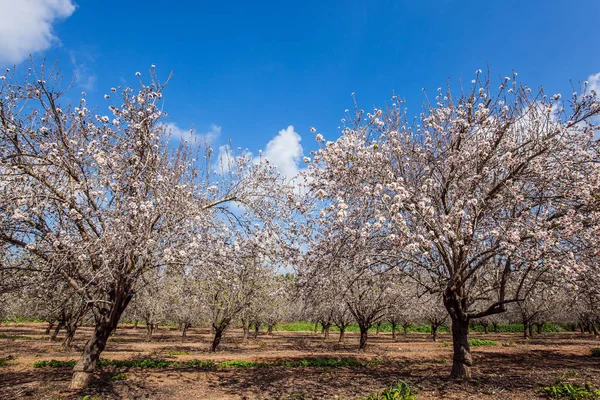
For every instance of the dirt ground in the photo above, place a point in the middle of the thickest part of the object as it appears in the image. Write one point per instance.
(515, 369)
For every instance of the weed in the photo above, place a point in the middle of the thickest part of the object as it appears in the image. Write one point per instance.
(401, 391)
(54, 364)
(439, 361)
(482, 342)
(571, 391)
(13, 337)
(209, 364)
(241, 364)
(4, 361)
(119, 377)
(178, 352)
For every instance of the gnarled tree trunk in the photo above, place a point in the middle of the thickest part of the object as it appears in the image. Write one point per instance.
(60, 325)
(462, 360)
(82, 372)
(434, 332)
(49, 327)
(364, 333)
(342, 334)
(184, 327)
(107, 320)
(219, 329)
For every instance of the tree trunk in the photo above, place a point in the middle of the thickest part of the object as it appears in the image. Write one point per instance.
(405, 329)
(342, 334)
(269, 329)
(49, 327)
(525, 330)
(316, 327)
(364, 332)
(530, 329)
(56, 330)
(68, 340)
(581, 327)
(107, 320)
(326, 330)
(256, 329)
(83, 370)
(462, 360)
(495, 327)
(245, 327)
(135, 324)
(149, 330)
(393, 331)
(217, 339)
(540, 328)
(434, 329)
(71, 328)
(378, 329)
(184, 327)
(486, 328)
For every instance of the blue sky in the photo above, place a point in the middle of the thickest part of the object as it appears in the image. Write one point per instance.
(255, 68)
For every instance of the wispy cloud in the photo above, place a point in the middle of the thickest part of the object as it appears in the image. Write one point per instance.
(84, 75)
(174, 132)
(26, 26)
(593, 83)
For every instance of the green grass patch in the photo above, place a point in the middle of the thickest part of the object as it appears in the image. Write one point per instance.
(596, 352)
(307, 326)
(438, 361)
(13, 337)
(22, 320)
(178, 352)
(571, 391)
(209, 364)
(482, 342)
(119, 377)
(54, 364)
(401, 391)
(242, 364)
(514, 328)
(4, 361)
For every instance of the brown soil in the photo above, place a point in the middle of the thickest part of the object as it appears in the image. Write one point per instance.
(516, 369)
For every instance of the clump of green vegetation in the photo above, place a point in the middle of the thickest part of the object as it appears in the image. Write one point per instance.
(209, 364)
(119, 377)
(482, 342)
(242, 364)
(54, 364)
(571, 391)
(4, 361)
(178, 352)
(513, 328)
(13, 337)
(147, 363)
(438, 361)
(401, 391)
(21, 320)
(596, 352)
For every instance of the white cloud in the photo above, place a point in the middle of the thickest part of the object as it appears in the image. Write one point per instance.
(285, 152)
(26, 26)
(176, 133)
(84, 76)
(594, 83)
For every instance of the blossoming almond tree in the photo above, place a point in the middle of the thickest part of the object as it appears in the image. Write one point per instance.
(479, 188)
(101, 199)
